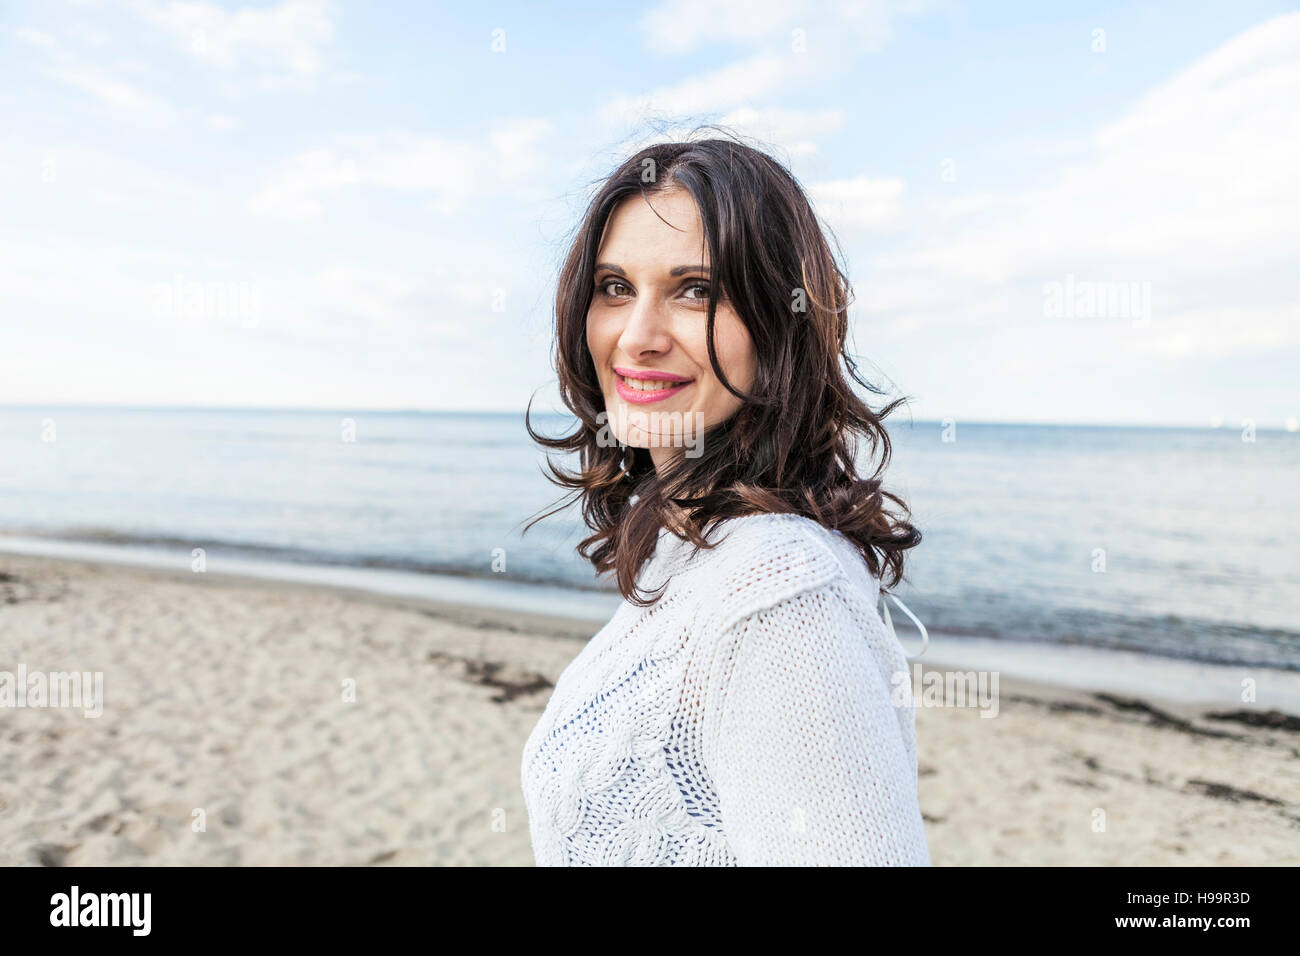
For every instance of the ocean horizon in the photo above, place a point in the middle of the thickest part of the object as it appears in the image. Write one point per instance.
(1175, 541)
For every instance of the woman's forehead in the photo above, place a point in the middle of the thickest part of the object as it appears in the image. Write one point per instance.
(637, 232)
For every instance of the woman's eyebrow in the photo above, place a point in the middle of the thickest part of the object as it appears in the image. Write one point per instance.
(675, 271)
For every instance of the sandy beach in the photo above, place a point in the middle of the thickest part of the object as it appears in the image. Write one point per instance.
(256, 723)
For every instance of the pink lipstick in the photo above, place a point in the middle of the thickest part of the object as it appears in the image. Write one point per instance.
(647, 392)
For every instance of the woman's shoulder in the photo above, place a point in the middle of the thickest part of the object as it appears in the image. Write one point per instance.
(767, 532)
(760, 560)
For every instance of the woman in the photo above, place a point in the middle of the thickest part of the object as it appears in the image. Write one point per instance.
(746, 704)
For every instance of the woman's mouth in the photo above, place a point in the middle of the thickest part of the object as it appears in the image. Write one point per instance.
(642, 386)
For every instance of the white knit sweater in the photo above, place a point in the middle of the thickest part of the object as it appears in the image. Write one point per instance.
(748, 718)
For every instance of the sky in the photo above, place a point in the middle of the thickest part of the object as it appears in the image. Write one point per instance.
(1082, 213)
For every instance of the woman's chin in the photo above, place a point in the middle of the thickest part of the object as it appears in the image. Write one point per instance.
(636, 438)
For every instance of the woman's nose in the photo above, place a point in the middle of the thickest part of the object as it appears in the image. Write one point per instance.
(646, 330)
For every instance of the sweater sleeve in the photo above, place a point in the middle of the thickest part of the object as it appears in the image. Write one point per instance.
(808, 755)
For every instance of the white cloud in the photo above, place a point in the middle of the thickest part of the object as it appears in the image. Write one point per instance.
(965, 205)
(149, 293)
(450, 171)
(223, 122)
(292, 192)
(179, 329)
(81, 178)
(1192, 190)
(724, 88)
(36, 38)
(794, 130)
(109, 89)
(679, 26)
(288, 38)
(114, 92)
(860, 203)
(375, 303)
(1221, 331)
(791, 42)
(514, 143)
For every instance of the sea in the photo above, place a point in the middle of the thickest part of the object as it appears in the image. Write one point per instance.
(1172, 544)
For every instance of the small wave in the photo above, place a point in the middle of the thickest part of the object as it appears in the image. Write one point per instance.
(237, 548)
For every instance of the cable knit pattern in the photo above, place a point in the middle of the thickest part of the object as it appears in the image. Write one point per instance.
(747, 718)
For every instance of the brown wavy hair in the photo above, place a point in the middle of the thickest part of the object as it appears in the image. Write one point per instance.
(792, 445)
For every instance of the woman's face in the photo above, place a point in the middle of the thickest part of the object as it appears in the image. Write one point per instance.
(646, 329)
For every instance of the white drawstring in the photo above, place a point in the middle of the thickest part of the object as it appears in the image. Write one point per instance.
(925, 637)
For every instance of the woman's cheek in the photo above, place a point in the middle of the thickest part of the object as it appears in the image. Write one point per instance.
(598, 344)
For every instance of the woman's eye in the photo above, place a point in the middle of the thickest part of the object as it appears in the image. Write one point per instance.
(698, 291)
